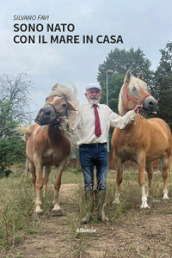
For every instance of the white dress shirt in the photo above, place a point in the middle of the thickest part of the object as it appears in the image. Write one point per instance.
(84, 124)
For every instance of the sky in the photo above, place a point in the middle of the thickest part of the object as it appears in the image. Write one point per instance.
(144, 24)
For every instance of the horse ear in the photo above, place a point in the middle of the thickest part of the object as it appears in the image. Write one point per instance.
(127, 77)
(70, 107)
(140, 76)
(55, 87)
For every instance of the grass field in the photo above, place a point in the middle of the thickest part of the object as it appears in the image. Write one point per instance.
(131, 232)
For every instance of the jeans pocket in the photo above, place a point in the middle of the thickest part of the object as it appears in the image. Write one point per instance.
(104, 148)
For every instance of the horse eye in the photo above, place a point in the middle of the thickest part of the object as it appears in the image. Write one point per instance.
(134, 88)
(64, 105)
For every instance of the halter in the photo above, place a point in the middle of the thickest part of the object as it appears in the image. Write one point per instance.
(59, 116)
(55, 110)
(134, 100)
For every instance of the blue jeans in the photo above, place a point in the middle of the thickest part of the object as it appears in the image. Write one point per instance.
(94, 155)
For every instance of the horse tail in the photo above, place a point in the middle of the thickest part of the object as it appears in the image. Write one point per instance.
(26, 131)
(170, 167)
(170, 157)
(26, 170)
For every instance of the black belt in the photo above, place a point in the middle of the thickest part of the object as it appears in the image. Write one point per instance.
(93, 145)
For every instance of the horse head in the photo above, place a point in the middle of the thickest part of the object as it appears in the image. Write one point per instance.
(133, 92)
(57, 106)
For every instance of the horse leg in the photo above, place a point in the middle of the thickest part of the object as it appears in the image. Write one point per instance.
(56, 211)
(46, 177)
(33, 177)
(164, 162)
(119, 178)
(150, 175)
(38, 185)
(141, 180)
(26, 170)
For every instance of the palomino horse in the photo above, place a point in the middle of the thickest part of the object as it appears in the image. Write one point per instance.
(143, 140)
(47, 144)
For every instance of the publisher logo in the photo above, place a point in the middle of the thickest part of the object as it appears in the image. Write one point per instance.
(86, 230)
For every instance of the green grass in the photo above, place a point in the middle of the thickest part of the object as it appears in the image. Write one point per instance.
(16, 208)
(17, 216)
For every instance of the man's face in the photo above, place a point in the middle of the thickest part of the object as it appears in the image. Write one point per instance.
(93, 96)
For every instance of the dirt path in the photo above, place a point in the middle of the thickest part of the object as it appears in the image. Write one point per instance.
(136, 234)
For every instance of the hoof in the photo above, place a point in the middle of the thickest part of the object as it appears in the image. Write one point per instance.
(39, 213)
(145, 207)
(165, 198)
(56, 213)
(116, 201)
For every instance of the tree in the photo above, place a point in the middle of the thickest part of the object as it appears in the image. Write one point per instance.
(11, 144)
(163, 84)
(114, 85)
(17, 91)
(120, 61)
(14, 105)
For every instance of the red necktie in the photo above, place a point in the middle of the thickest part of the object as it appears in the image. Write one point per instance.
(97, 122)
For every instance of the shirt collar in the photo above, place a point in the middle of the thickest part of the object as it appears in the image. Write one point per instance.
(91, 105)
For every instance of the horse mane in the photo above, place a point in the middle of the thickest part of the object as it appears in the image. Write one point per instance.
(70, 95)
(65, 92)
(120, 105)
(133, 81)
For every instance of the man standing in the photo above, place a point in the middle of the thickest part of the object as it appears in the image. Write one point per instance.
(92, 126)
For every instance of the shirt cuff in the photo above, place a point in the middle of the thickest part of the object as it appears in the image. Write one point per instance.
(132, 114)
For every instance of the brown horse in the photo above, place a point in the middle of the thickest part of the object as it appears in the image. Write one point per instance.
(47, 144)
(143, 140)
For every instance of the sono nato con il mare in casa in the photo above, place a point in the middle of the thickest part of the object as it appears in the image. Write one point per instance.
(63, 27)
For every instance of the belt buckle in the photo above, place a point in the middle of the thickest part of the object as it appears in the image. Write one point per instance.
(97, 145)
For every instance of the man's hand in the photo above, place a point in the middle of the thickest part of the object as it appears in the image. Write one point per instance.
(138, 108)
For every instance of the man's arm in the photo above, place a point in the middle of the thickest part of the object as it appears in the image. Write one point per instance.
(121, 121)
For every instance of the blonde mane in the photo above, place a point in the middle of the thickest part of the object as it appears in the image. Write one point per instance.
(70, 96)
(120, 105)
(65, 92)
(134, 82)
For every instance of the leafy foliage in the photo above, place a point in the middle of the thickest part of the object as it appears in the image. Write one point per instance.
(17, 90)
(121, 60)
(14, 105)
(114, 86)
(163, 84)
(11, 144)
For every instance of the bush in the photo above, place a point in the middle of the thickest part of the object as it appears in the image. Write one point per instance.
(11, 144)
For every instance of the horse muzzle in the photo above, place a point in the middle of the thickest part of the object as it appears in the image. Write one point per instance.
(150, 105)
(46, 116)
